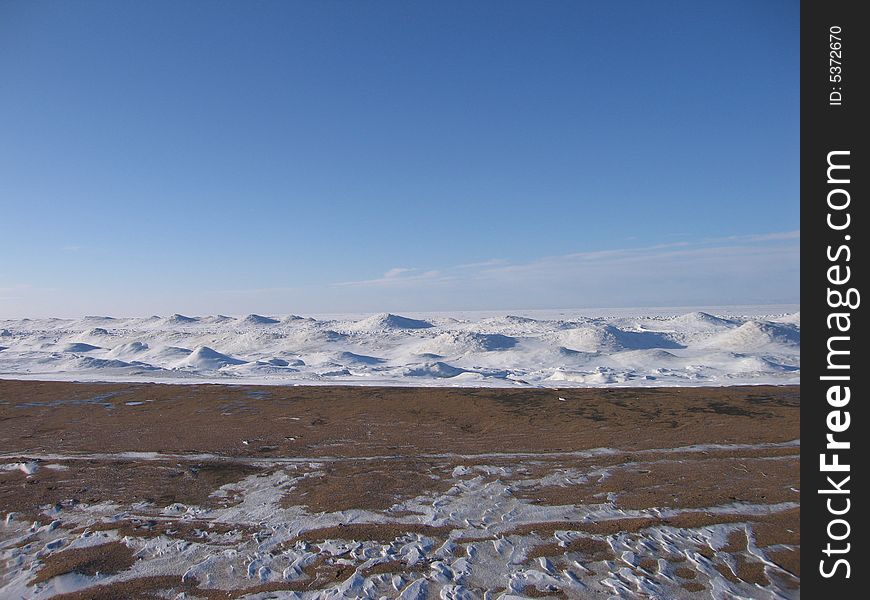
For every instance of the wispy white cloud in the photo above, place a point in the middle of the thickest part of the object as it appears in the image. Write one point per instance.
(738, 269)
(743, 269)
(484, 263)
(763, 237)
(397, 272)
(659, 258)
(400, 276)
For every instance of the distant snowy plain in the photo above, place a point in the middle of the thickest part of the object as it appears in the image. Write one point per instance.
(638, 347)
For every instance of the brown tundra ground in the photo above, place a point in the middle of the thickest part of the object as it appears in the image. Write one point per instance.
(217, 491)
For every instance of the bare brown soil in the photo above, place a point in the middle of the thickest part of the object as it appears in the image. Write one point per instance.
(374, 485)
(105, 558)
(65, 417)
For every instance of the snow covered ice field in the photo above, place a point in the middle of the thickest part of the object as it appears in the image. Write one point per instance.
(643, 347)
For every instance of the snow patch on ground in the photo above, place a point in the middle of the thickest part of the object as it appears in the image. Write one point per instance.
(485, 540)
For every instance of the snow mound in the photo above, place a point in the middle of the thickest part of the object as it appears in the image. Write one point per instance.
(387, 321)
(98, 331)
(311, 338)
(700, 321)
(253, 319)
(170, 353)
(754, 336)
(608, 338)
(129, 349)
(79, 347)
(600, 376)
(354, 358)
(792, 319)
(440, 370)
(509, 320)
(294, 318)
(589, 338)
(178, 319)
(517, 319)
(284, 362)
(642, 359)
(756, 364)
(91, 363)
(217, 319)
(342, 359)
(510, 325)
(465, 342)
(204, 357)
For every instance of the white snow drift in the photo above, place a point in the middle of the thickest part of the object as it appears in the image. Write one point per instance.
(552, 349)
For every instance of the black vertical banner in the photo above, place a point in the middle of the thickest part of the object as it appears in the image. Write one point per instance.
(835, 432)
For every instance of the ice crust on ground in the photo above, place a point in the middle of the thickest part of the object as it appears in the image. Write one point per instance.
(488, 537)
(751, 345)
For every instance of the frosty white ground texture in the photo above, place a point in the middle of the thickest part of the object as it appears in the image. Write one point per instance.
(483, 551)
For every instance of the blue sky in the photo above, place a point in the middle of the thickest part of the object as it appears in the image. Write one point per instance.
(282, 157)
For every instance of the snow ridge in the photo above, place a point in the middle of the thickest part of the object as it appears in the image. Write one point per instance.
(565, 348)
